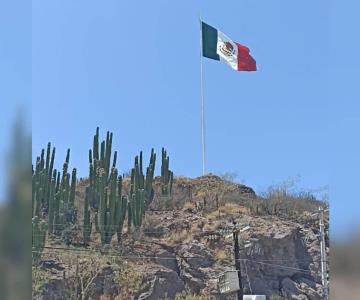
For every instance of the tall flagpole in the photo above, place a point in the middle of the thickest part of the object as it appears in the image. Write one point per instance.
(202, 104)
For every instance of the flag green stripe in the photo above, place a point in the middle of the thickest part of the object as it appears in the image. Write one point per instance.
(209, 41)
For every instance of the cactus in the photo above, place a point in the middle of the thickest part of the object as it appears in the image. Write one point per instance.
(100, 161)
(52, 194)
(112, 210)
(141, 190)
(42, 180)
(87, 223)
(64, 213)
(104, 193)
(167, 176)
(44, 184)
(149, 191)
(52, 202)
(123, 210)
(72, 187)
(39, 228)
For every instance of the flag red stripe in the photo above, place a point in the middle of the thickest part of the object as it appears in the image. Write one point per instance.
(245, 61)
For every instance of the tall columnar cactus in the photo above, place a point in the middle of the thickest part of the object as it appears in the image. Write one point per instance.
(64, 212)
(52, 192)
(149, 191)
(104, 193)
(52, 202)
(110, 216)
(100, 160)
(39, 228)
(123, 211)
(141, 190)
(105, 196)
(167, 176)
(42, 180)
(72, 187)
(87, 226)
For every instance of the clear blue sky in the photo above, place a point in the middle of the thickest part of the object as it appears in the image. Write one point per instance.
(132, 67)
(15, 74)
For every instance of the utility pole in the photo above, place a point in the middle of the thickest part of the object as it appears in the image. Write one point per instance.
(240, 292)
(323, 254)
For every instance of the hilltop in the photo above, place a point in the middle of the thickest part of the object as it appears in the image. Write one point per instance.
(180, 249)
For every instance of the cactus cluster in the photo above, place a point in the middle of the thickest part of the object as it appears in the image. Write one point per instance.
(62, 198)
(42, 180)
(53, 192)
(105, 204)
(53, 197)
(104, 193)
(167, 176)
(141, 190)
(39, 228)
(112, 207)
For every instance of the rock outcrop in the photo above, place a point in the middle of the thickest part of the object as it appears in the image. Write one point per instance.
(186, 249)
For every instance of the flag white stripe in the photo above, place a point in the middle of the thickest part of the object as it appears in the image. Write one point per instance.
(227, 50)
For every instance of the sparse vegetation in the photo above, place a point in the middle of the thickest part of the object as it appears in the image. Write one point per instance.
(186, 295)
(39, 278)
(221, 256)
(132, 208)
(284, 201)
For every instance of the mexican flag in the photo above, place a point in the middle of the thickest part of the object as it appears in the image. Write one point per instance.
(218, 46)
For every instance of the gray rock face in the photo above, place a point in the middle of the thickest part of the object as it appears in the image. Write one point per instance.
(289, 288)
(163, 283)
(195, 259)
(166, 259)
(53, 290)
(104, 283)
(278, 260)
(55, 287)
(301, 289)
(282, 260)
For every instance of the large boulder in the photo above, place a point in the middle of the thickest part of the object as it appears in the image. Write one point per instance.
(289, 288)
(167, 259)
(163, 284)
(193, 264)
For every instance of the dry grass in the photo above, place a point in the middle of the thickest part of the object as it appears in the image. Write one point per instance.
(189, 296)
(181, 236)
(228, 208)
(210, 226)
(130, 279)
(188, 206)
(220, 256)
(39, 278)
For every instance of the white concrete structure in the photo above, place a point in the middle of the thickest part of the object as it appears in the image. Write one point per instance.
(228, 282)
(254, 297)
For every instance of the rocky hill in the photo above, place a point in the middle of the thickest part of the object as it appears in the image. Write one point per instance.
(184, 245)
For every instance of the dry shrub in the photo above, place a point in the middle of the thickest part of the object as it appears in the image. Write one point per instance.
(220, 256)
(130, 279)
(210, 226)
(188, 206)
(180, 236)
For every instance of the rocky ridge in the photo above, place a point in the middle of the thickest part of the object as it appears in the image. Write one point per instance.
(182, 250)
